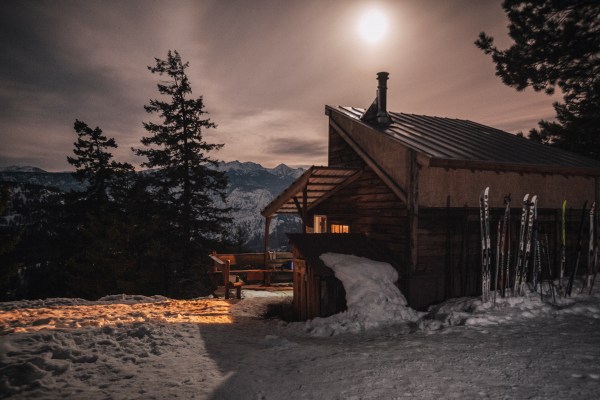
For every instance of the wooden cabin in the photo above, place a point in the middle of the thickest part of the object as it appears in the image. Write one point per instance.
(412, 183)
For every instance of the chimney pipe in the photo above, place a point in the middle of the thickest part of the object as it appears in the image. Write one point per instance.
(377, 111)
(382, 115)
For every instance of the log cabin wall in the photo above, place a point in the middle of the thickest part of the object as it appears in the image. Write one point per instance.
(391, 155)
(462, 186)
(308, 301)
(299, 306)
(315, 295)
(448, 255)
(368, 206)
(449, 250)
(341, 154)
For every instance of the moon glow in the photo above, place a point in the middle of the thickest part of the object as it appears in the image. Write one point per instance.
(373, 26)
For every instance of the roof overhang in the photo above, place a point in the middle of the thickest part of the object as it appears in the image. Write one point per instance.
(311, 188)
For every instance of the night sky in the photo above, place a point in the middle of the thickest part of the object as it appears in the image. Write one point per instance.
(265, 68)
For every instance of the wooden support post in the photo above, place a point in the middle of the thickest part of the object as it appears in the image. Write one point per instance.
(301, 213)
(449, 283)
(267, 226)
(596, 219)
(413, 210)
(304, 207)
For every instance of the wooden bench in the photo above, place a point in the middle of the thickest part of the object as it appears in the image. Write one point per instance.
(230, 281)
(252, 265)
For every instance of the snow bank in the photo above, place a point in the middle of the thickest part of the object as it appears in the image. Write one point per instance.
(372, 298)
(374, 301)
(66, 301)
(66, 347)
(472, 311)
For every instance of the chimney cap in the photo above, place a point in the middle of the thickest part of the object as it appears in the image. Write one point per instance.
(377, 112)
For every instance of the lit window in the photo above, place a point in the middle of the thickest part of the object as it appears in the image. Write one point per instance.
(320, 224)
(337, 228)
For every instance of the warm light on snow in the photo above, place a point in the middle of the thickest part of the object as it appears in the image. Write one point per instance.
(373, 26)
(207, 311)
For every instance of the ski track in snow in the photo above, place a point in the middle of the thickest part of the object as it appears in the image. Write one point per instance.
(135, 347)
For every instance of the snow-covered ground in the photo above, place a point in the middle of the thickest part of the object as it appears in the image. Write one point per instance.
(136, 347)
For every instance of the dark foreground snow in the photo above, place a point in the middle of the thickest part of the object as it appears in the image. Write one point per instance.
(135, 347)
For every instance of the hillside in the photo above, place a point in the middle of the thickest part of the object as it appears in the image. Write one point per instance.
(251, 188)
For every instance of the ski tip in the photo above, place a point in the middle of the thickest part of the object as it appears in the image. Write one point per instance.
(525, 197)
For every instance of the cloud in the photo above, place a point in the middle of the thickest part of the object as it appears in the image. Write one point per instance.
(271, 137)
(265, 69)
(298, 147)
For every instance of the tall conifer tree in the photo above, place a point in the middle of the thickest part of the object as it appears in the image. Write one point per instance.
(184, 179)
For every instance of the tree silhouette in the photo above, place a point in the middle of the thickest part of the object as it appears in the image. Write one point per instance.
(183, 177)
(94, 165)
(556, 44)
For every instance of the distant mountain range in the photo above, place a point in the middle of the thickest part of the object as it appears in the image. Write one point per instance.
(37, 176)
(251, 188)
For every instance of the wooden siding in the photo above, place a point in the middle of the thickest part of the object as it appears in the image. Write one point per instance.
(341, 154)
(390, 155)
(314, 295)
(368, 206)
(463, 187)
(450, 250)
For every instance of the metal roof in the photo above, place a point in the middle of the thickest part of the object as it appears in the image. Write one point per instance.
(454, 140)
(312, 187)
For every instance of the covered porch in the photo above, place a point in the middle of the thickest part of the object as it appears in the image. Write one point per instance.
(313, 187)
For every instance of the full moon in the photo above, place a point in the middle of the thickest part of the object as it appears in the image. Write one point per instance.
(372, 26)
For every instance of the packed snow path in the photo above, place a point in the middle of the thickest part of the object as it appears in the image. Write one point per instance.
(511, 352)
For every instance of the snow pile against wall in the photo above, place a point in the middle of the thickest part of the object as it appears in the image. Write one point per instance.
(472, 311)
(372, 298)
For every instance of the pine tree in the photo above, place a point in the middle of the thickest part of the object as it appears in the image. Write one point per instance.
(93, 228)
(556, 44)
(183, 176)
(105, 177)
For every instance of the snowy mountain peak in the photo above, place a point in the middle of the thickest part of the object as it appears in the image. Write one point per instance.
(236, 165)
(281, 169)
(16, 168)
(284, 170)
